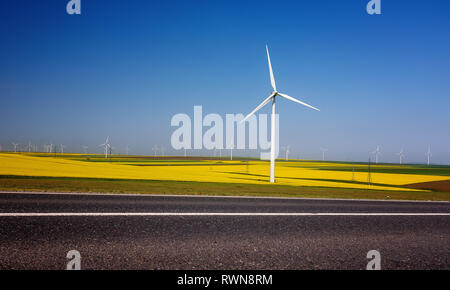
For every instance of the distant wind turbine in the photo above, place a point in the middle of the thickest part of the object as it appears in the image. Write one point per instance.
(377, 153)
(272, 97)
(85, 149)
(155, 149)
(29, 147)
(62, 148)
(106, 147)
(231, 151)
(401, 155)
(15, 146)
(288, 150)
(428, 154)
(323, 153)
(127, 149)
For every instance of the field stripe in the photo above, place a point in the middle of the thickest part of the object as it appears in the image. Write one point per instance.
(219, 196)
(150, 214)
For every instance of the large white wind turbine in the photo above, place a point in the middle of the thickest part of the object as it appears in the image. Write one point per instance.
(428, 154)
(377, 153)
(272, 97)
(106, 146)
(62, 146)
(401, 155)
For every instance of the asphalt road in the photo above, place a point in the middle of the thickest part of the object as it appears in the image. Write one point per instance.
(168, 232)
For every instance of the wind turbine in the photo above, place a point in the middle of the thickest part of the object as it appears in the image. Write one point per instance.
(127, 149)
(106, 146)
(401, 155)
(428, 154)
(29, 147)
(323, 153)
(85, 148)
(272, 97)
(231, 151)
(62, 148)
(288, 150)
(155, 149)
(15, 146)
(377, 152)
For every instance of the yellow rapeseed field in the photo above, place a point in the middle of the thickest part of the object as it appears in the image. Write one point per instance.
(287, 173)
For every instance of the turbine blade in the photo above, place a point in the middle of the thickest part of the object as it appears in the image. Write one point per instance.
(259, 107)
(297, 101)
(272, 79)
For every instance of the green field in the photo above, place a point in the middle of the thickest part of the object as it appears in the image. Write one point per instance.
(52, 184)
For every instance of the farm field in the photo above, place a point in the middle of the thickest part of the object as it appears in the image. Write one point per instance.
(207, 176)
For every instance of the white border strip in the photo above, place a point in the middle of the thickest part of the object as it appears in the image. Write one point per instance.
(143, 214)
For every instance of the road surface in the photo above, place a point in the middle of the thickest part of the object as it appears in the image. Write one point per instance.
(186, 232)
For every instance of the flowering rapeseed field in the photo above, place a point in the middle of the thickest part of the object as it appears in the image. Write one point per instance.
(317, 174)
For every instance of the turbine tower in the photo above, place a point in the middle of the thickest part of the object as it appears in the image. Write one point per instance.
(401, 155)
(231, 151)
(29, 147)
(428, 154)
(377, 153)
(106, 146)
(15, 146)
(323, 153)
(288, 150)
(62, 148)
(272, 97)
(127, 149)
(155, 149)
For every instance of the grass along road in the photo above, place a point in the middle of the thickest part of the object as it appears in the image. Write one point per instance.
(104, 185)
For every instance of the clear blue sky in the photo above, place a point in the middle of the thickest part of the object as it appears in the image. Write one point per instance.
(124, 68)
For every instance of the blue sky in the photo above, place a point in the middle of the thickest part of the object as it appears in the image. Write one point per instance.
(124, 68)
